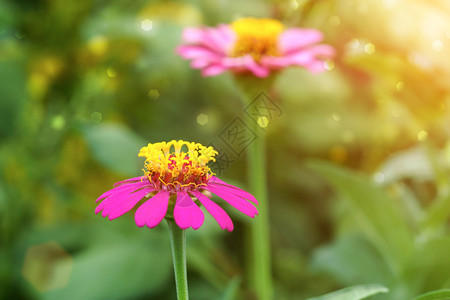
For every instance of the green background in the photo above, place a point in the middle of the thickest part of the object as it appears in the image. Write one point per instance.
(357, 162)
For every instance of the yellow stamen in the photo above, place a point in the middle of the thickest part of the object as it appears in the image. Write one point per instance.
(168, 163)
(256, 37)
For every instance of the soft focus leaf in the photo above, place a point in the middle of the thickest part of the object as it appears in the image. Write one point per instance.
(231, 289)
(116, 147)
(354, 293)
(351, 259)
(116, 272)
(431, 264)
(434, 295)
(378, 216)
(11, 95)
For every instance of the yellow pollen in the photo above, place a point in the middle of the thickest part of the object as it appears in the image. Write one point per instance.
(178, 163)
(256, 37)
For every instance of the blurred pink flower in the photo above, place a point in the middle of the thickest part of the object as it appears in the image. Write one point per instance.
(175, 184)
(253, 45)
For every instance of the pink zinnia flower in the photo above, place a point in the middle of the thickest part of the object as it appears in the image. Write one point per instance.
(176, 183)
(253, 45)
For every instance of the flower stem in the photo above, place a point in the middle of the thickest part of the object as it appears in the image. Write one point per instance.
(178, 243)
(260, 231)
(259, 257)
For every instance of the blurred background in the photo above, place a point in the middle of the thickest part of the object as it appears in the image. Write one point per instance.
(358, 160)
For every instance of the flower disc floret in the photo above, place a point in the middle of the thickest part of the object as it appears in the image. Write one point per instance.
(177, 165)
(257, 37)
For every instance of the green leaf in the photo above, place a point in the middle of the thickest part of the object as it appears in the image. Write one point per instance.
(12, 95)
(116, 272)
(352, 260)
(354, 292)
(377, 215)
(231, 289)
(430, 265)
(115, 147)
(439, 294)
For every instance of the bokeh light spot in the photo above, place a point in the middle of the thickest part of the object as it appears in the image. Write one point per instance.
(437, 45)
(153, 94)
(147, 25)
(58, 122)
(111, 72)
(354, 44)
(369, 48)
(334, 21)
(328, 65)
(399, 86)
(202, 119)
(96, 117)
(263, 122)
(390, 4)
(422, 136)
(336, 117)
(378, 177)
(419, 60)
(47, 266)
(98, 45)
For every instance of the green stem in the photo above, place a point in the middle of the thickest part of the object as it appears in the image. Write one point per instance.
(261, 279)
(259, 257)
(178, 243)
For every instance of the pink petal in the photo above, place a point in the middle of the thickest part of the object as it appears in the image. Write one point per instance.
(186, 213)
(216, 182)
(127, 205)
(193, 35)
(218, 39)
(277, 62)
(131, 180)
(117, 196)
(237, 202)
(216, 211)
(294, 39)
(201, 63)
(213, 70)
(111, 192)
(120, 188)
(309, 58)
(221, 38)
(193, 52)
(153, 210)
(246, 62)
(316, 66)
(322, 51)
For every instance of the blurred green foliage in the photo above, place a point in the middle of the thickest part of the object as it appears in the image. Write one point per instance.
(85, 84)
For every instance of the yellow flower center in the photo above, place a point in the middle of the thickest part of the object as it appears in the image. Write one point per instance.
(256, 37)
(177, 164)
